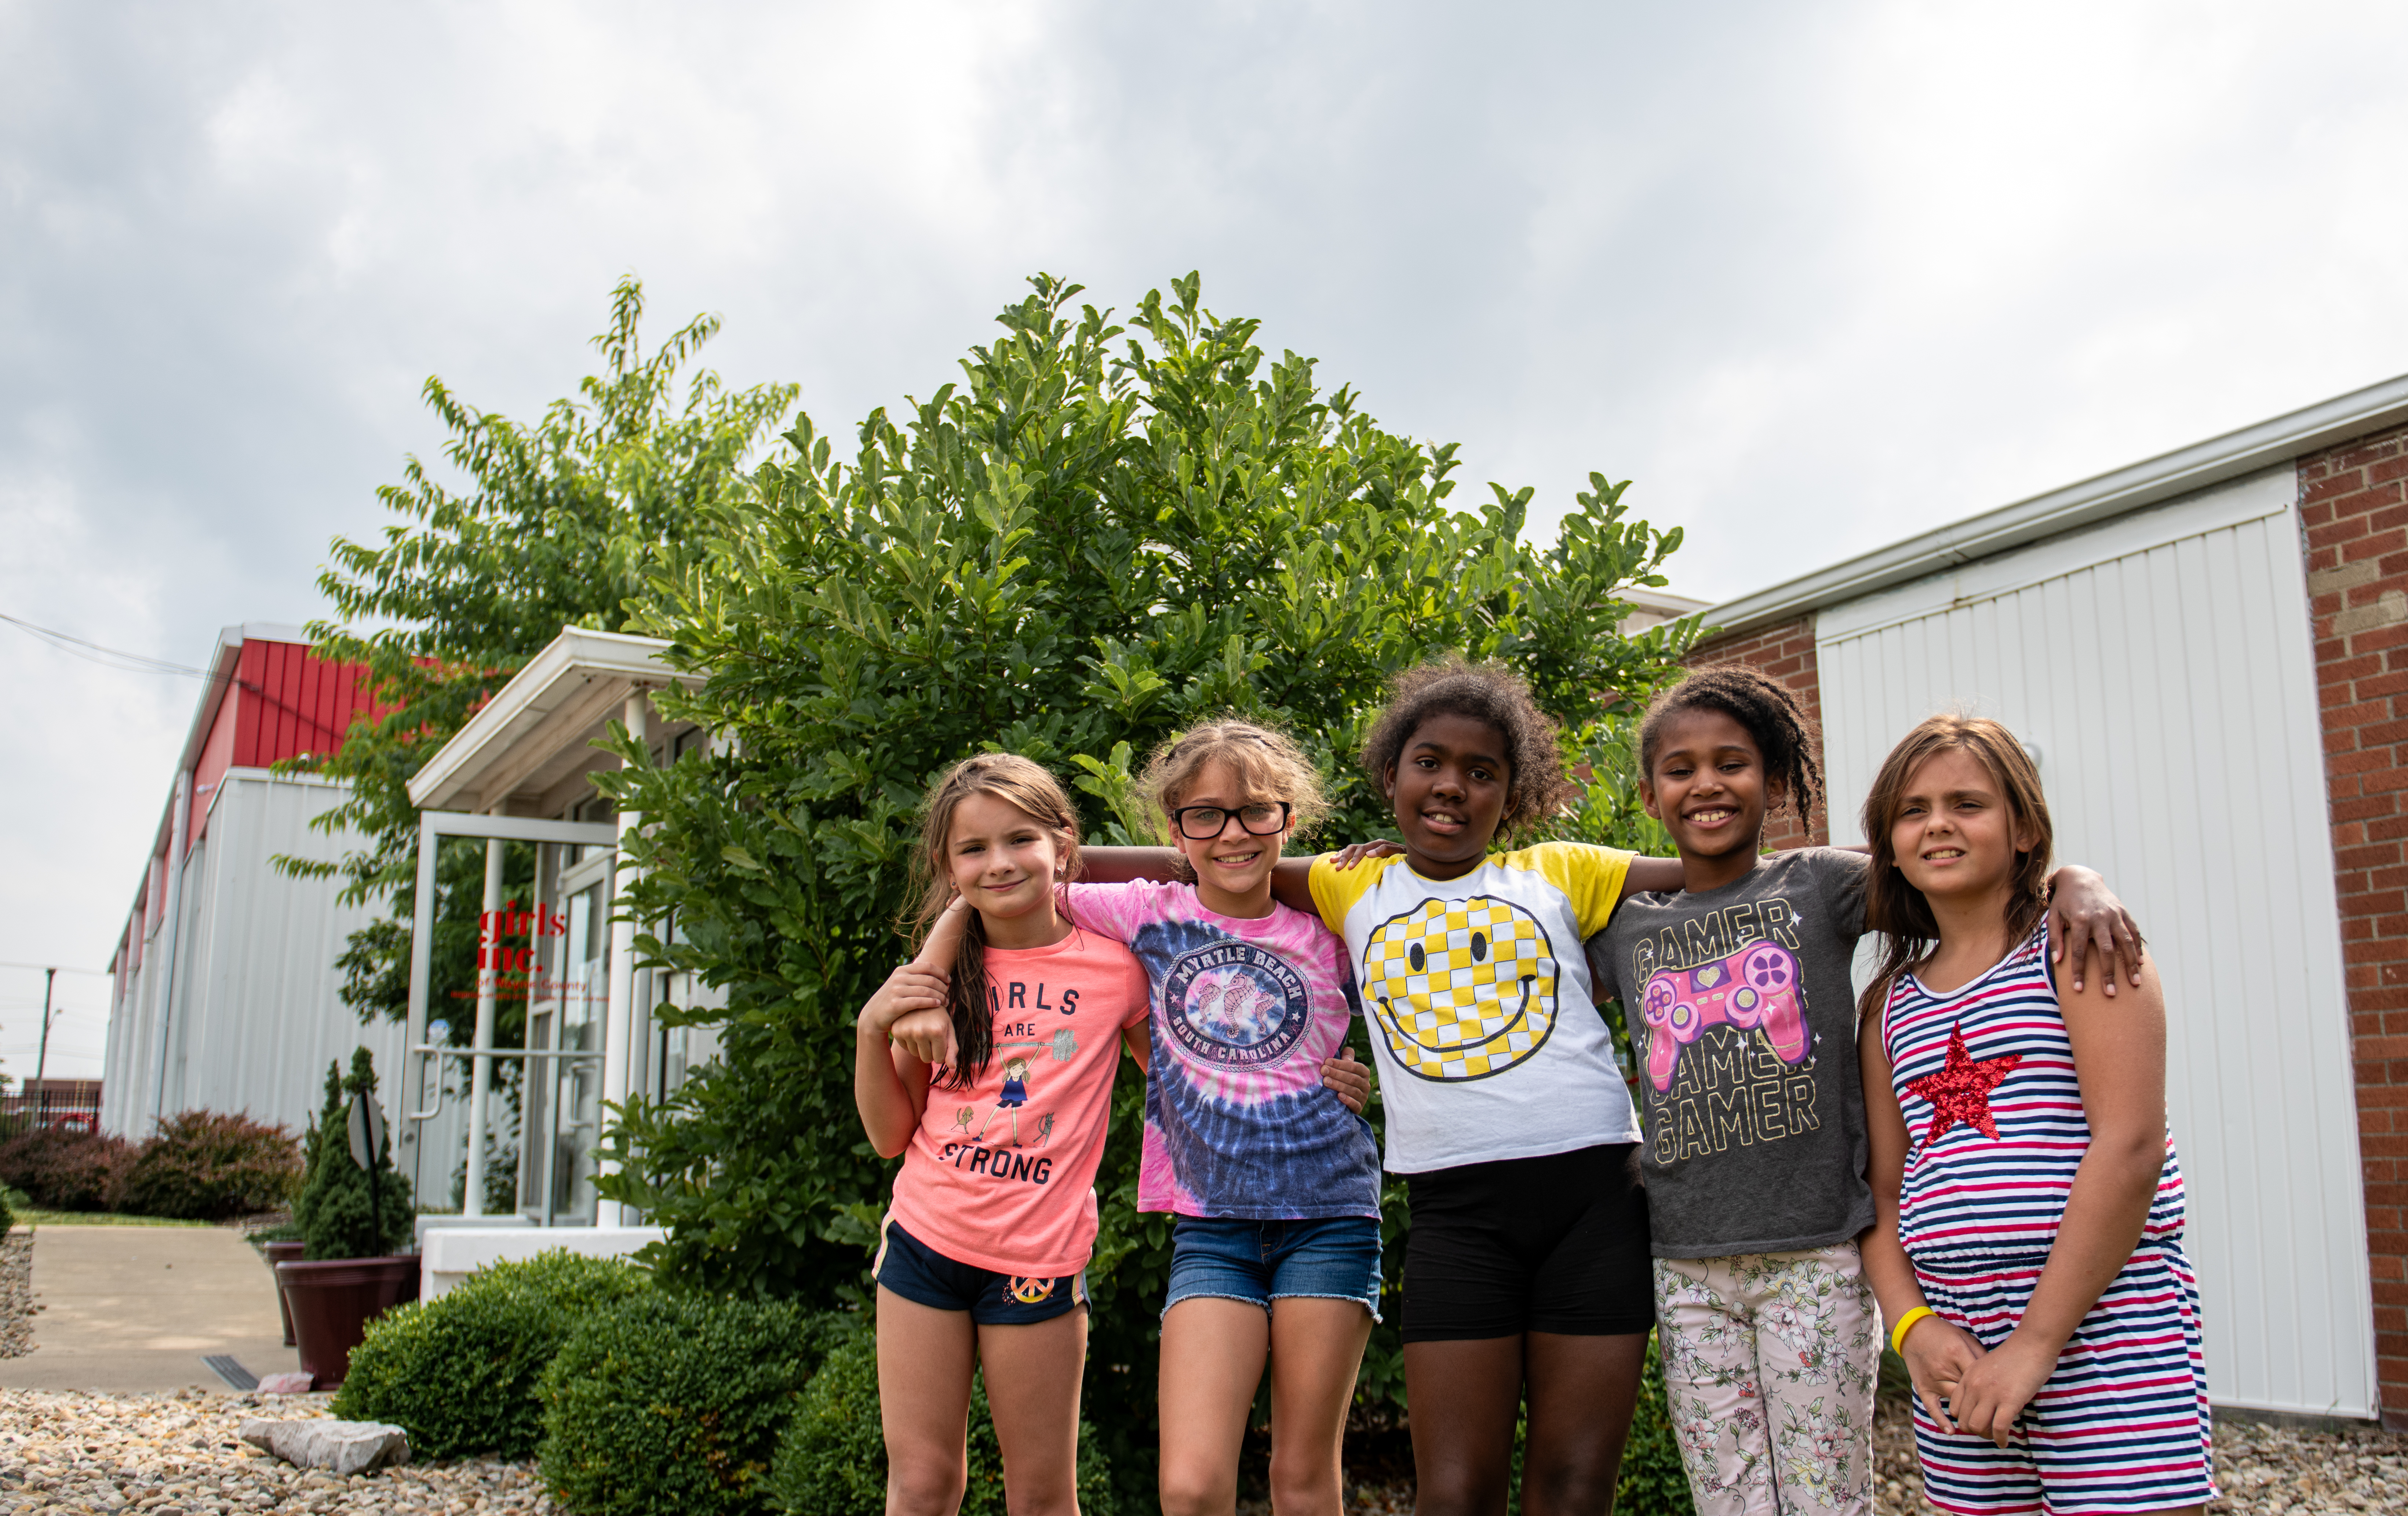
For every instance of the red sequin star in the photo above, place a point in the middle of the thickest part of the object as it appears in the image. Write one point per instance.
(1961, 1091)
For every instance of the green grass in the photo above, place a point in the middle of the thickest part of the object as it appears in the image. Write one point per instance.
(35, 1218)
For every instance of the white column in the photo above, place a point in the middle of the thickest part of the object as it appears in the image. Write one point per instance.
(481, 1066)
(618, 1020)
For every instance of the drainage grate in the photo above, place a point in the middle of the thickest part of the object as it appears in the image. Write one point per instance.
(227, 1367)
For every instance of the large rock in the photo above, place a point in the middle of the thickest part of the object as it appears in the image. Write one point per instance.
(342, 1449)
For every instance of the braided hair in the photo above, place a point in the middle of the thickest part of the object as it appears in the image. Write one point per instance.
(1781, 731)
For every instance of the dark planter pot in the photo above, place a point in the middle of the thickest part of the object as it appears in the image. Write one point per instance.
(283, 1252)
(333, 1301)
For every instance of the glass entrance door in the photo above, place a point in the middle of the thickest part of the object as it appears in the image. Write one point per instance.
(541, 981)
(572, 1127)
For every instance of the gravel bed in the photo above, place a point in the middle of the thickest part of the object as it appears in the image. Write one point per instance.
(2261, 1470)
(178, 1455)
(17, 1305)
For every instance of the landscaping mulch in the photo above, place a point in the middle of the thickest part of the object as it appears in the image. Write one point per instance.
(179, 1455)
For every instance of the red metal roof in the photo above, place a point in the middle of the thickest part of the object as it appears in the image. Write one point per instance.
(273, 698)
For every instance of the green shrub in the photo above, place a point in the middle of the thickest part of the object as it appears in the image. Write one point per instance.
(339, 1213)
(64, 1170)
(832, 1461)
(459, 1372)
(1092, 538)
(7, 1209)
(674, 1403)
(208, 1167)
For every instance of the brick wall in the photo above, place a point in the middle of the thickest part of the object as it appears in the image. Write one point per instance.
(2353, 510)
(1786, 652)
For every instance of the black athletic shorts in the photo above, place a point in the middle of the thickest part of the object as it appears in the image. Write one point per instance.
(1553, 1244)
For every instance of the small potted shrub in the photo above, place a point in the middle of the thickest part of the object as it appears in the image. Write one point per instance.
(354, 1223)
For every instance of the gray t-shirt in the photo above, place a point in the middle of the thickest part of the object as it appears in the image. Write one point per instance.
(1743, 1019)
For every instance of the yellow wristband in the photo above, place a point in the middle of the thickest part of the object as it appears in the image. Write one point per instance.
(1905, 1324)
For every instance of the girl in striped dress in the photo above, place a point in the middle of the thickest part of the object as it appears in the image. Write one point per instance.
(2027, 1246)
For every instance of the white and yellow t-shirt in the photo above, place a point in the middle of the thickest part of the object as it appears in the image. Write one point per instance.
(1484, 1017)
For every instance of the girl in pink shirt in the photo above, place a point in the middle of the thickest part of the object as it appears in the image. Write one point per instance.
(994, 1080)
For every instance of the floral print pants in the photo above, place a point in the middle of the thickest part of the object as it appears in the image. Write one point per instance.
(1769, 1367)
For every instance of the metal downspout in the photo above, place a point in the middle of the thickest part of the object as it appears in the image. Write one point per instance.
(170, 925)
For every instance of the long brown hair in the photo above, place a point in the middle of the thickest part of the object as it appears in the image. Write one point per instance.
(1025, 785)
(1897, 909)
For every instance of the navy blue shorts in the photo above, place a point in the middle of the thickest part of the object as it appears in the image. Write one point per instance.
(925, 1277)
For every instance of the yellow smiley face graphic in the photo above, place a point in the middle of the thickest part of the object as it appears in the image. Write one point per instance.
(1462, 989)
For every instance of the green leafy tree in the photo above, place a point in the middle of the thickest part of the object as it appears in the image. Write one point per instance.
(555, 523)
(1099, 535)
(551, 524)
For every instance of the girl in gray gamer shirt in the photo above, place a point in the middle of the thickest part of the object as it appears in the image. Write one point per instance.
(1742, 1019)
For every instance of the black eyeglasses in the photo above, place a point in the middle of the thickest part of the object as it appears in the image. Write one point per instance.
(1202, 823)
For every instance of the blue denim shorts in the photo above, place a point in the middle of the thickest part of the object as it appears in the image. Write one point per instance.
(1331, 1258)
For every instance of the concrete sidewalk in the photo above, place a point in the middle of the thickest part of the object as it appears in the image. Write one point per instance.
(135, 1308)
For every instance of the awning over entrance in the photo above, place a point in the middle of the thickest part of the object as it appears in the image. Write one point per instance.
(537, 734)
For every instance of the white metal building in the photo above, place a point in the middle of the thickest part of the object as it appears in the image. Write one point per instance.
(2151, 635)
(225, 994)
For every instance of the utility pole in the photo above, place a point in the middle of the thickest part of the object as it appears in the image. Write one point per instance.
(42, 1059)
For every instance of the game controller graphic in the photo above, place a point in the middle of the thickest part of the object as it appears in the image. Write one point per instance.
(1754, 987)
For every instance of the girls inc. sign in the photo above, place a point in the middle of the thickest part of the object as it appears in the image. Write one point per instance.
(505, 954)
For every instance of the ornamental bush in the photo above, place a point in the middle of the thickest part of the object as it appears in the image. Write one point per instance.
(663, 1402)
(208, 1166)
(832, 1460)
(1098, 535)
(64, 1170)
(460, 1372)
(339, 1214)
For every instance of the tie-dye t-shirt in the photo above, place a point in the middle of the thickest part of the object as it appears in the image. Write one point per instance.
(1238, 1123)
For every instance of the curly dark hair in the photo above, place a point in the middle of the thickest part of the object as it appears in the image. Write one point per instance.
(1536, 784)
(1766, 708)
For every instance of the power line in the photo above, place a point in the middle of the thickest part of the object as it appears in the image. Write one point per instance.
(40, 968)
(95, 653)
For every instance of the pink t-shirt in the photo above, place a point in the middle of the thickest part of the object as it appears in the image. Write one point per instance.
(1238, 1124)
(1001, 1174)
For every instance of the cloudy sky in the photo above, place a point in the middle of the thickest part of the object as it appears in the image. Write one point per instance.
(1814, 277)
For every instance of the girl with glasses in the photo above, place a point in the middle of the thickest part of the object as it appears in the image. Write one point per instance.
(1253, 1140)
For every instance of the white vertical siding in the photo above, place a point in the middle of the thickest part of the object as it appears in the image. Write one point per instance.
(2162, 669)
(257, 1012)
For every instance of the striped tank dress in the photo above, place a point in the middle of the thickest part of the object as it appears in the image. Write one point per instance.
(1985, 1079)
